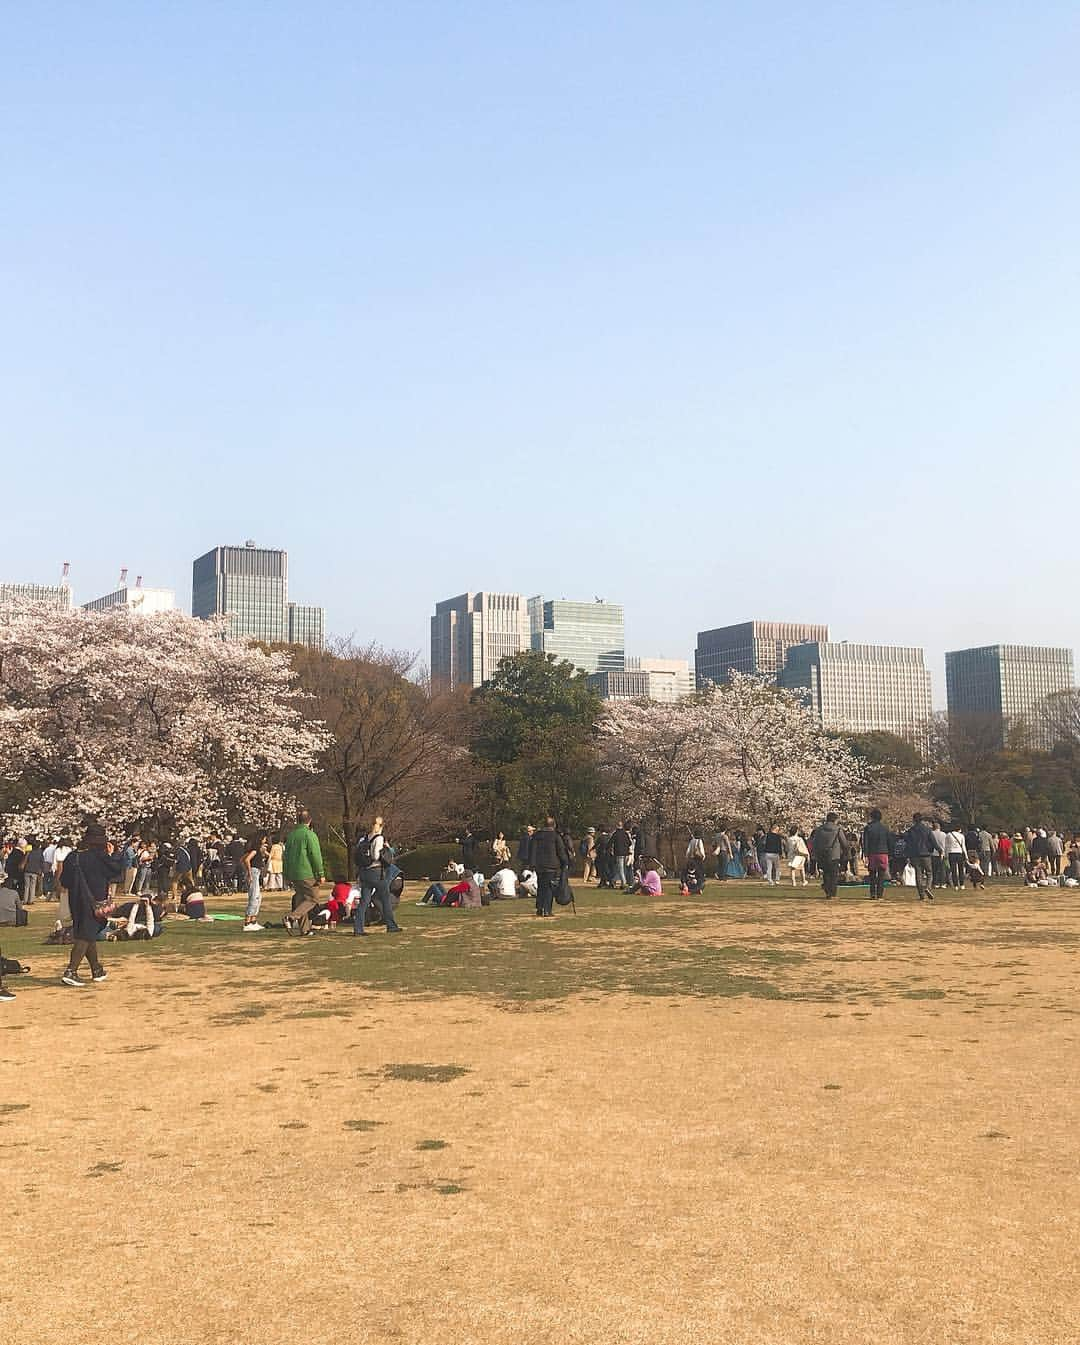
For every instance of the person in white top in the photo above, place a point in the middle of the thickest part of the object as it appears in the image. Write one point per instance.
(503, 883)
(48, 856)
(59, 855)
(956, 850)
(796, 854)
(528, 883)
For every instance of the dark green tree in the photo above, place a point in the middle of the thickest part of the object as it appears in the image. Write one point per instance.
(533, 741)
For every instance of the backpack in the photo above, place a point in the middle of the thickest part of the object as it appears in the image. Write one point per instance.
(363, 856)
(697, 848)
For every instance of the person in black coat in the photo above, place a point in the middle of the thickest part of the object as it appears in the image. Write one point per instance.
(87, 875)
(550, 859)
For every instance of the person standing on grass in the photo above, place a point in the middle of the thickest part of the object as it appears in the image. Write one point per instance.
(34, 872)
(829, 845)
(588, 855)
(796, 854)
(876, 846)
(987, 851)
(956, 851)
(773, 848)
(304, 869)
(551, 860)
(1003, 862)
(254, 860)
(621, 846)
(922, 848)
(373, 856)
(275, 879)
(88, 874)
(524, 846)
(1056, 848)
(938, 861)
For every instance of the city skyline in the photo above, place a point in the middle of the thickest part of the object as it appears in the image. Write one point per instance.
(935, 659)
(604, 260)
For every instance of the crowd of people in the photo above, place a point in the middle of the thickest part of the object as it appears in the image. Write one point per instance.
(129, 889)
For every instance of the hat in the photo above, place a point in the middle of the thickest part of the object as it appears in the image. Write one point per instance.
(590, 831)
(94, 835)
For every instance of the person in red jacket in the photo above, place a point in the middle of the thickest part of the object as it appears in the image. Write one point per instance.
(1004, 852)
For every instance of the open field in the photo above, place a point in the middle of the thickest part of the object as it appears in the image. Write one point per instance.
(747, 1117)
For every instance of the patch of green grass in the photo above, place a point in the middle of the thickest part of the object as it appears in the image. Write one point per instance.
(6, 1108)
(100, 1169)
(449, 1189)
(430, 1145)
(787, 948)
(362, 1125)
(424, 1073)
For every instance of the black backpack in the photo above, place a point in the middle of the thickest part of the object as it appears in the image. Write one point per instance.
(362, 853)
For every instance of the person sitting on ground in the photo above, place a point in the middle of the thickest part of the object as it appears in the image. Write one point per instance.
(454, 896)
(529, 883)
(503, 883)
(338, 905)
(693, 877)
(194, 907)
(649, 883)
(434, 896)
(472, 896)
(1035, 872)
(12, 910)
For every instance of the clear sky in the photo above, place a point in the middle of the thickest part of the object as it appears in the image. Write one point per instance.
(720, 310)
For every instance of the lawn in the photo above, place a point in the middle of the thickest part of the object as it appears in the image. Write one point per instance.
(749, 1116)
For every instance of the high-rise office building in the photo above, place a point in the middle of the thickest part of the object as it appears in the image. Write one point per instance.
(250, 586)
(587, 634)
(665, 680)
(135, 599)
(860, 688)
(305, 625)
(669, 679)
(472, 633)
(1001, 684)
(750, 647)
(51, 595)
(622, 685)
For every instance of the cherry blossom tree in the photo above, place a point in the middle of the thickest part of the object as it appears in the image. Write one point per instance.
(149, 720)
(742, 752)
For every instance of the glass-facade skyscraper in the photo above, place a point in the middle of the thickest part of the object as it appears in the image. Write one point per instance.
(1001, 684)
(250, 586)
(587, 634)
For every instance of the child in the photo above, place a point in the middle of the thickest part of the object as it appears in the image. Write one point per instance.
(975, 870)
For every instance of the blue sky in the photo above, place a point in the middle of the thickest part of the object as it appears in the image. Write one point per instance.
(720, 310)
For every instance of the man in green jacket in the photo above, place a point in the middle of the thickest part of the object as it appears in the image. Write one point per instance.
(303, 869)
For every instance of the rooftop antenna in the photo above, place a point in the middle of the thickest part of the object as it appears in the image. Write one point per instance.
(123, 577)
(138, 581)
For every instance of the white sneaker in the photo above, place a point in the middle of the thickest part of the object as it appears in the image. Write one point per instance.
(69, 978)
(252, 926)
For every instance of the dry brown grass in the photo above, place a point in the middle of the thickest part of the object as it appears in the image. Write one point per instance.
(886, 1152)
